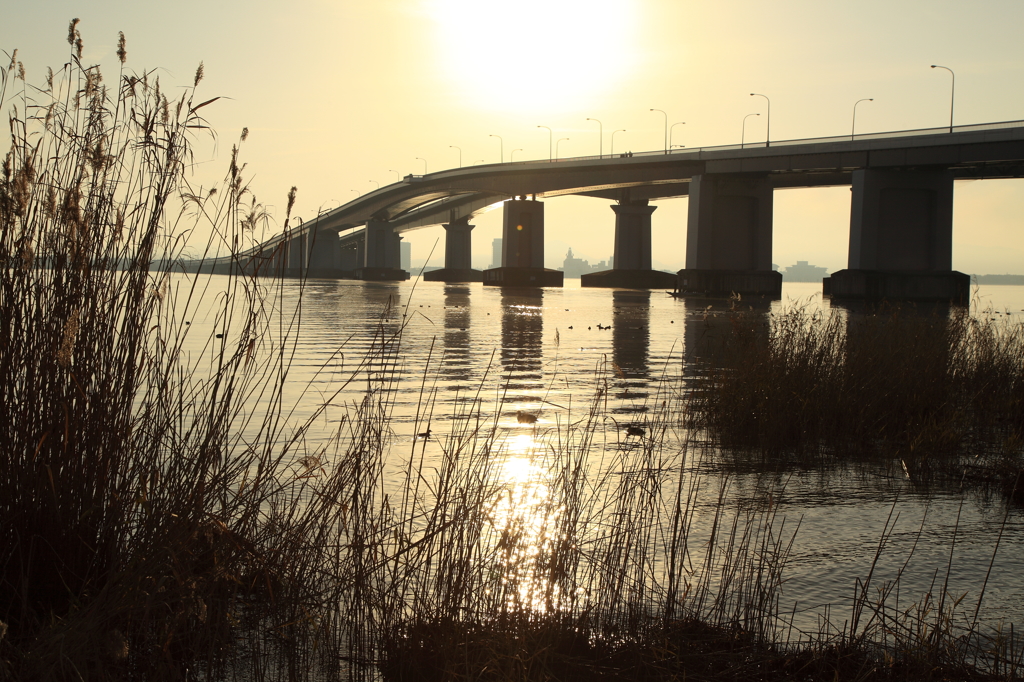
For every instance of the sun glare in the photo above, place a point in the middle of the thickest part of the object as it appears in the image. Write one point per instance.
(534, 55)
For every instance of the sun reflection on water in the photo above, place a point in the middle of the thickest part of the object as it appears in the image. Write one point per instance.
(526, 534)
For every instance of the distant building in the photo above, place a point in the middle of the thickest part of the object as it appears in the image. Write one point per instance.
(496, 253)
(406, 255)
(804, 272)
(575, 267)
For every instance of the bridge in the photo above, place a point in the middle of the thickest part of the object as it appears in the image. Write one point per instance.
(900, 224)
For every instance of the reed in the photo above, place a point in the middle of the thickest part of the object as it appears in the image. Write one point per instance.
(936, 394)
(164, 515)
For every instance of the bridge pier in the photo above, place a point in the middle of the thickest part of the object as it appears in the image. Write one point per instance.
(901, 238)
(382, 255)
(324, 254)
(729, 237)
(458, 254)
(631, 265)
(522, 248)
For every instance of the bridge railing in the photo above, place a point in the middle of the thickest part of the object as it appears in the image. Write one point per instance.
(697, 151)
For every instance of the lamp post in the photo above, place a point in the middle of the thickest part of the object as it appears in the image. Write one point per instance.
(621, 130)
(424, 164)
(952, 92)
(397, 176)
(512, 156)
(743, 130)
(672, 130)
(600, 134)
(853, 128)
(666, 129)
(768, 121)
(501, 147)
(556, 146)
(357, 193)
(375, 182)
(451, 146)
(551, 136)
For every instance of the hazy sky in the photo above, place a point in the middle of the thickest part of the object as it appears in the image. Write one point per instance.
(338, 95)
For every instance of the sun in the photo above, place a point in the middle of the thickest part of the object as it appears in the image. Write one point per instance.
(534, 55)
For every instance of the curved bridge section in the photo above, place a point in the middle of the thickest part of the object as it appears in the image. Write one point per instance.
(901, 218)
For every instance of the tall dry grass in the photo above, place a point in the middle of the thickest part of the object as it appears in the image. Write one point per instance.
(163, 516)
(159, 515)
(934, 393)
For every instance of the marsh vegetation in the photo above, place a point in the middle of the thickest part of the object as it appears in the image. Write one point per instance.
(165, 516)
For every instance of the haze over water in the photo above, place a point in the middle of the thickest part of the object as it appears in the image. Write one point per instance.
(469, 351)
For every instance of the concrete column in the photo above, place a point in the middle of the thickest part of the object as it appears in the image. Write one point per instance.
(632, 236)
(729, 225)
(729, 237)
(458, 254)
(522, 243)
(382, 253)
(379, 250)
(631, 264)
(360, 254)
(901, 220)
(324, 253)
(901, 238)
(522, 248)
(395, 251)
(458, 244)
(350, 259)
(296, 255)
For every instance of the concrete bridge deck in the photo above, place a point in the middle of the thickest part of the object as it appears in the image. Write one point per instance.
(451, 197)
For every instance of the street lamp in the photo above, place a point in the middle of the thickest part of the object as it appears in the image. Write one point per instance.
(666, 130)
(424, 164)
(501, 147)
(357, 192)
(743, 130)
(556, 146)
(375, 182)
(397, 176)
(952, 91)
(512, 156)
(672, 130)
(451, 146)
(768, 121)
(600, 134)
(853, 128)
(551, 136)
(621, 130)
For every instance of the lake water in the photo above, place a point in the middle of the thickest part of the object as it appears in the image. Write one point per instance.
(469, 349)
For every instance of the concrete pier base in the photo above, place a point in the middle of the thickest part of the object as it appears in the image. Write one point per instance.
(454, 275)
(523, 277)
(704, 282)
(877, 285)
(381, 274)
(630, 279)
(522, 249)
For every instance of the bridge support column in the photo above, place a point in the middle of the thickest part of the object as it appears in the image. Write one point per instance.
(522, 248)
(324, 254)
(296, 256)
(729, 237)
(901, 238)
(350, 260)
(382, 255)
(458, 254)
(631, 265)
